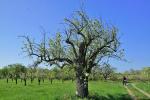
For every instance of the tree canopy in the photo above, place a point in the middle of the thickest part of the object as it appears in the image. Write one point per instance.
(84, 43)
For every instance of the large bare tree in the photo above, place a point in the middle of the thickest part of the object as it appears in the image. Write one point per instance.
(87, 42)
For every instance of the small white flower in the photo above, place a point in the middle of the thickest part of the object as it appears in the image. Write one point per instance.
(76, 92)
(86, 74)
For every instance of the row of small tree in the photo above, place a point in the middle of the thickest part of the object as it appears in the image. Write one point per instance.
(13, 71)
(19, 71)
(143, 74)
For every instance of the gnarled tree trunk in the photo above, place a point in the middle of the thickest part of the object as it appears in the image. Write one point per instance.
(81, 84)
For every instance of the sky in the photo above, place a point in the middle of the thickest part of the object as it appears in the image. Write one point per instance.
(30, 17)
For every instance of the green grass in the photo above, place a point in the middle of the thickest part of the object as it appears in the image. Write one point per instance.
(108, 90)
(137, 94)
(60, 91)
(144, 86)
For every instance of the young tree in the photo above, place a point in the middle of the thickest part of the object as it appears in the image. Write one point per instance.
(146, 72)
(71, 74)
(107, 70)
(67, 73)
(19, 69)
(5, 73)
(87, 42)
(95, 73)
(51, 75)
(23, 70)
(11, 72)
(1, 74)
(31, 73)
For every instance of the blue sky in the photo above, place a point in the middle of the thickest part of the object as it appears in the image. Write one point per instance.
(26, 17)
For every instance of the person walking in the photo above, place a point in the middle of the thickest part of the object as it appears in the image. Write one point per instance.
(124, 80)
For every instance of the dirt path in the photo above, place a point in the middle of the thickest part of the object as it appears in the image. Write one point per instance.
(130, 93)
(141, 91)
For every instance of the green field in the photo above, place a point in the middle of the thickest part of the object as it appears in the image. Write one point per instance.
(99, 90)
(136, 93)
(144, 86)
(60, 91)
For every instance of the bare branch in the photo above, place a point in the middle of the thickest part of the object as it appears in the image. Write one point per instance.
(95, 53)
(71, 43)
(78, 29)
(59, 65)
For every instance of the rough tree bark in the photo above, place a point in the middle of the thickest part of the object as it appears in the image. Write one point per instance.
(82, 87)
(81, 84)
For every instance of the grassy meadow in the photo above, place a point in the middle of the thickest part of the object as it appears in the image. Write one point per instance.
(99, 90)
(60, 91)
(144, 86)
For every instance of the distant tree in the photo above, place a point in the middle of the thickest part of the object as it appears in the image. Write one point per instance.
(0, 73)
(57, 73)
(46, 71)
(146, 72)
(107, 70)
(71, 74)
(31, 72)
(87, 42)
(142, 74)
(15, 71)
(11, 71)
(51, 75)
(67, 73)
(95, 73)
(5, 73)
(114, 76)
(40, 75)
(24, 72)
